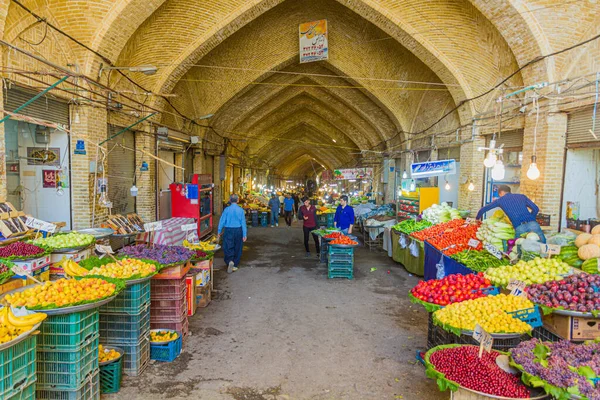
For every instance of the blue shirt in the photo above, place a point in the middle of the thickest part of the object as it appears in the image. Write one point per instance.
(344, 217)
(515, 206)
(288, 204)
(274, 203)
(233, 217)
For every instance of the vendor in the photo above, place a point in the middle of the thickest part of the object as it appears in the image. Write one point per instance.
(344, 216)
(519, 209)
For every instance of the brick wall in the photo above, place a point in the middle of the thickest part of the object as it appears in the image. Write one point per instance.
(146, 181)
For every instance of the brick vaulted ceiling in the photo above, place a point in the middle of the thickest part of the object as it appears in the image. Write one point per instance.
(295, 117)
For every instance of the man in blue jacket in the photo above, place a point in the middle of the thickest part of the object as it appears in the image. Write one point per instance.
(344, 216)
(233, 226)
(274, 205)
(288, 209)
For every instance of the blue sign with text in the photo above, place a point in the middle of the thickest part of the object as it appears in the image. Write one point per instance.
(433, 168)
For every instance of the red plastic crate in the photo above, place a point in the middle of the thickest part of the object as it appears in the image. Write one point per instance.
(168, 310)
(167, 289)
(182, 326)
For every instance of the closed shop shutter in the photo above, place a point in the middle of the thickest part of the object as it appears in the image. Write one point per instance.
(121, 168)
(579, 126)
(510, 139)
(43, 108)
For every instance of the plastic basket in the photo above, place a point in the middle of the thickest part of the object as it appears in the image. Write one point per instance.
(136, 356)
(167, 289)
(338, 274)
(342, 257)
(529, 315)
(340, 266)
(89, 390)
(67, 369)
(17, 366)
(330, 220)
(23, 393)
(131, 301)
(68, 331)
(166, 352)
(110, 376)
(125, 327)
(179, 326)
(340, 250)
(544, 334)
(168, 310)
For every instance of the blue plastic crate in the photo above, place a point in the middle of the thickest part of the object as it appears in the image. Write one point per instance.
(17, 366)
(136, 357)
(132, 300)
(531, 316)
(25, 392)
(67, 369)
(338, 274)
(124, 327)
(340, 250)
(89, 390)
(166, 352)
(68, 331)
(340, 266)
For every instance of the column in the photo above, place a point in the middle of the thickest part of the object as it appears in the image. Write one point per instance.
(218, 192)
(178, 171)
(146, 201)
(471, 167)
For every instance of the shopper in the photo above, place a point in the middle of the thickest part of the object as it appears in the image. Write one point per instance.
(233, 227)
(519, 209)
(281, 198)
(274, 205)
(296, 203)
(344, 216)
(308, 213)
(288, 209)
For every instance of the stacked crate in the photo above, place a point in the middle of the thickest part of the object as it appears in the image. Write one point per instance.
(341, 262)
(67, 357)
(125, 323)
(168, 308)
(17, 370)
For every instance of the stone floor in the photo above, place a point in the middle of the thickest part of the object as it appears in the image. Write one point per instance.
(279, 329)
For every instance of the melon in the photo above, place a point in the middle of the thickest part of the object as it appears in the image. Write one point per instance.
(596, 230)
(588, 251)
(582, 239)
(595, 239)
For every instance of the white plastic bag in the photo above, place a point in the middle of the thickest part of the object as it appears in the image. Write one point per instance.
(440, 269)
(402, 241)
(414, 249)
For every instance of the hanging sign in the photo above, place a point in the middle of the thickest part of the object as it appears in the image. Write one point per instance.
(433, 168)
(104, 249)
(40, 225)
(314, 45)
(353, 173)
(153, 226)
(80, 148)
(550, 249)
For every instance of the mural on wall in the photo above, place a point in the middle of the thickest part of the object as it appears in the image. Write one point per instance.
(49, 178)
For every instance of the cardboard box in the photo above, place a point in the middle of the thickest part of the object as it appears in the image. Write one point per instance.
(57, 272)
(205, 264)
(203, 278)
(11, 285)
(202, 296)
(35, 264)
(41, 274)
(176, 272)
(572, 328)
(190, 283)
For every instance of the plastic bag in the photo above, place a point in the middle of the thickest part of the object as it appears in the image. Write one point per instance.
(403, 241)
(562, 239)
(440, 269)
(414, 249)
(530, 246)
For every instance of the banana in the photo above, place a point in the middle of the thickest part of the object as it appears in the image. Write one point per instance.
(72, 268)
(4, 316)
(25, 321)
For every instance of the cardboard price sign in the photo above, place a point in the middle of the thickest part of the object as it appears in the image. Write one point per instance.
(516, 287)
(104, 249)
(493, 250)
(485, 340)
(153, 226)
(40, 225)
(550, 249)
(473, 243)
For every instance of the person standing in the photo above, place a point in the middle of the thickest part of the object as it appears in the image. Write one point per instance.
(308, 213)
(288, 209)
(344, 216)
(233, 227)
(519, 209)
(274, 205)
(296, 203)
(281, 198)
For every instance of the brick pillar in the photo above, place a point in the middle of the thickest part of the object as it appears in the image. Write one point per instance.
(179, 172)
(390, 186)
(92, 126)
(471, 167)
(3, 191)
(218, 192)
(551, 140)
(199, 162)
(145, 180)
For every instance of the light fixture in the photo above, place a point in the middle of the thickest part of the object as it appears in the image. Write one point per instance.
(404, 175)
(76, 119)
(533, 172)
(134, 191)
(498, 171)
(334, 141)
(351, 180)
(413, 186)
(145, 69)
(471, 187)
(490, 160)
(447, 186)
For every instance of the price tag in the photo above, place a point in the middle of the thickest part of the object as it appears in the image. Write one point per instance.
(470, 220)
(550, 249)
(485, 339)
(189, 227)
(153, 226)
(493, 250)
(104, 249)
(40, 225)
(474, 243)
(516, 287)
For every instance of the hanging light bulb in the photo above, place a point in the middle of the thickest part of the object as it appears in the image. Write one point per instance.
(498, 171)
(134, 191)
(471, 187)
(59, 189)
(447, 186)
(76, 119)
(404, 175)
(533, 172)
(413, 186)
(490, 160)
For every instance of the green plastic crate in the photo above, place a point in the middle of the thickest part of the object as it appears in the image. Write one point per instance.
(330, 219)
(67, 369)
(340, 266)
(110, 377)
(132, 300)
(124, 327)
(338, 274)
(136, 357)
(17, 366)
(69, 331)
(24, 393)
(340, 250)
(89, 390)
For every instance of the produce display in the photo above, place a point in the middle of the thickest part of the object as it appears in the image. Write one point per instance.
(63, 293)
(490, 312)
(562, 369)
(334, 235)
(409, 226)
(440, 213)
(451, 289)
(204, 246)
(200, 255)
(591, 266)
(163, 254)
(568, 254)
(438, 229)
(126, 268)
(323, 232)
(478, 260)
(163, 336)
(344, 240)
(456, 240)
(538, 270)
(106, 355)
(65, 241)
(457, 365)
(496, 229)
(575, 293)
(21, 251)
(12, 326)
(5, 270)
(588, 245)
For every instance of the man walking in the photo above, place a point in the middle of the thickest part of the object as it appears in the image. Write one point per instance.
(308, 213)
(233, 226)
(274, 205)
(288, 209)
(344, 216)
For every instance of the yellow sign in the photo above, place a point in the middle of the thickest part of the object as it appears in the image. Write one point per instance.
(313, 41)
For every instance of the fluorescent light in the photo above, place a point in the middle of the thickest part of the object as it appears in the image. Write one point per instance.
(334, 141)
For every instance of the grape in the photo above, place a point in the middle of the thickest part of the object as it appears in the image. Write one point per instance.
(162, 254)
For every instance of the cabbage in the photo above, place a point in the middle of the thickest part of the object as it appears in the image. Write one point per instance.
(440, 213)
(532, 236)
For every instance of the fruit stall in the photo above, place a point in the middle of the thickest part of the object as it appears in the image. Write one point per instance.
(99, 315)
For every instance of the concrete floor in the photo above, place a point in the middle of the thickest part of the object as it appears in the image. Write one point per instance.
(279, 329)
